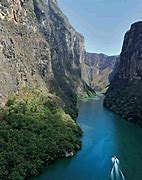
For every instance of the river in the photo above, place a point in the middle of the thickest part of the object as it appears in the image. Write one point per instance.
(105, 135)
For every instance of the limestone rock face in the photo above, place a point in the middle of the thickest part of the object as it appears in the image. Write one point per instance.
(96, 70)
(39, 49)
(124, 95)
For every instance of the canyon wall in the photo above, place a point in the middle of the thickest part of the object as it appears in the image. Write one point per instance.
(39, 49)
(40, 80)
(124, 95)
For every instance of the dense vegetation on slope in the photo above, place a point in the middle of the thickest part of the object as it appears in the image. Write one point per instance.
(34, 131)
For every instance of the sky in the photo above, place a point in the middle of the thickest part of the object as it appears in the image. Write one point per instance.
(103, 23)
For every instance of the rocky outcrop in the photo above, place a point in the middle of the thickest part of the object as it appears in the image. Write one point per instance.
(124, 95)
(96, 70)
(39, 49)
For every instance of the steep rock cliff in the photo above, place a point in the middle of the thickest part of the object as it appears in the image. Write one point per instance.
(96, 70)
(124, 95)
(39, 48)
(40, 69)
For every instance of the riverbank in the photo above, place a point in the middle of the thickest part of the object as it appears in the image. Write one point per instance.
(93, 96)
(104, 135)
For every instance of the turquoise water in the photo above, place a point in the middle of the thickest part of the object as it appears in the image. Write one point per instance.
(105, 135)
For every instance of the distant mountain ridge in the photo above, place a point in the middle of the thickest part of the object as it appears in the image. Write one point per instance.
(97, 69)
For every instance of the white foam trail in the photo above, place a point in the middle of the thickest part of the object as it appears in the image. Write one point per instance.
(122, 175)
(116, 173)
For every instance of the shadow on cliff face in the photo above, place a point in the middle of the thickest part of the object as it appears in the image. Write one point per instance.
(66, 49)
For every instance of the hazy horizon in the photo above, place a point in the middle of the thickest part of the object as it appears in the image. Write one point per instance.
(103, 24)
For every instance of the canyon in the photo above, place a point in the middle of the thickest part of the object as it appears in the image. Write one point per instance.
(44, 71)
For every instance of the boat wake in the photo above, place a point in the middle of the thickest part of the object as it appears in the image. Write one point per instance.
(116, 173)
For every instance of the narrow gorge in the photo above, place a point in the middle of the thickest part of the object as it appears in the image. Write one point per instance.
(63, 108)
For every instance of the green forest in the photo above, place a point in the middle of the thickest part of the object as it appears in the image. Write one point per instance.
(34, 131)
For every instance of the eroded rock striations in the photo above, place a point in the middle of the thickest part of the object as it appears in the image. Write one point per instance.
(96, 70)
(39, 48)
(124, 95)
